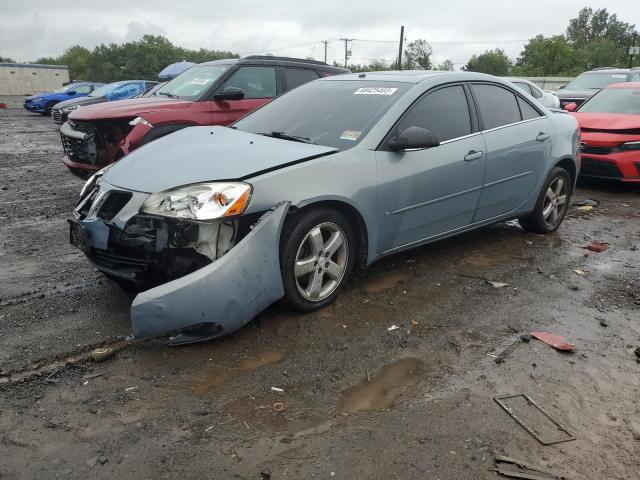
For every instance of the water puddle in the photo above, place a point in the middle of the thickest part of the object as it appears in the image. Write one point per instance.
(215, 377)
(385, 387)
(380, 284)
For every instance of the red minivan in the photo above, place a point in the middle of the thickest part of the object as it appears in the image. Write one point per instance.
(211, 93)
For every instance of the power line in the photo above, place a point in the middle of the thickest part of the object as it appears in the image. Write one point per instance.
(346, 51)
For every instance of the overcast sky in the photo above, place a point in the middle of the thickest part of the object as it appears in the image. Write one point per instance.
(37, 28)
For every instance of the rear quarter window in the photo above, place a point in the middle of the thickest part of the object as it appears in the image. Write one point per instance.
(528, 112)
(294, 77)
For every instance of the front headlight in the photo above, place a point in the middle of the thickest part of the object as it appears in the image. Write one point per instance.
(138, 121)
(90, 184)
(70, 108)
(630, 146)
(201, 201)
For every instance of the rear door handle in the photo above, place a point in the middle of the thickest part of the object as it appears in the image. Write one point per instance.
(543, 136)
(473, 155)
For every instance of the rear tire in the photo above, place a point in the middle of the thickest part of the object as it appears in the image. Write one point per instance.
(552, 203)
(317, 254)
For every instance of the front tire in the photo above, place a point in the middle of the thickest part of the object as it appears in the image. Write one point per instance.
(317, 256)
(552, 203)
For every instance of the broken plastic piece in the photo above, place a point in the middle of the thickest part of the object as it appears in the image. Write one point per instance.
(556, 341)
(587, 202)
(497, 284)
(510, 467)
(597, 247)
(392, 328)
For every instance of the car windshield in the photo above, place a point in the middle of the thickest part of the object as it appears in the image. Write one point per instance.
(334, 113)
(65, 88)
(193, 82)
(102, 91)
(614, 100)
(596, 81)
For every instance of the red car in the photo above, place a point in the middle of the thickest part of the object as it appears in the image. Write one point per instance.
(610, 129)
(212, 93)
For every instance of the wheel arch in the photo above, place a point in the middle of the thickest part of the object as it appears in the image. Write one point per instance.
(350, 212)
(570, 166)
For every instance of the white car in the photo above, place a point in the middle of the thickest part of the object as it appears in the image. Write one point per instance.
(547, 99)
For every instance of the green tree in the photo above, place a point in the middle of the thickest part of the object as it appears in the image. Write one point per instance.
(447, 65)
(6, 60)
(417, 56)
(494, 62)
(549, 56)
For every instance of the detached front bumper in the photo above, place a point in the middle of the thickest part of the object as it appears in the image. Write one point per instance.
(215, 284)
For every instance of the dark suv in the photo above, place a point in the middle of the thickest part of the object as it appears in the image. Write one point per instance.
(587, 84)
(211, 93)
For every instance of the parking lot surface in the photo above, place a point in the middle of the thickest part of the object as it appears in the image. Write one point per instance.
(339, 393)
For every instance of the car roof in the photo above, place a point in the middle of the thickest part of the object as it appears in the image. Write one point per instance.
(629, 85)
(412, 76)
(608, 70)
(272, 60)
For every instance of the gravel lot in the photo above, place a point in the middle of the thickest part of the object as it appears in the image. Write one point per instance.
(358, 400)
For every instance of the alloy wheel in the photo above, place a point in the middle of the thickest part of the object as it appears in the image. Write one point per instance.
(555, 201)
(321, 261)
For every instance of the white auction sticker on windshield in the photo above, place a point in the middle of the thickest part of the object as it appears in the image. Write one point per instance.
(375, 91)
(618, 76)
(199, 81)
(352, 135)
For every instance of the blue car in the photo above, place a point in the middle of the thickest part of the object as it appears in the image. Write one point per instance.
(338, 172)
(43, 102)
(113, 91)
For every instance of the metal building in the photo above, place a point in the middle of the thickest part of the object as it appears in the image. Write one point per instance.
(30, 78)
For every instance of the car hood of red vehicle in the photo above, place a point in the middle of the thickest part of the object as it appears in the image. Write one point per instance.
(128, 108)
(607, 121)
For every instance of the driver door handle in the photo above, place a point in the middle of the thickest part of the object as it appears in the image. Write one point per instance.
(473, 155)
(543, 136)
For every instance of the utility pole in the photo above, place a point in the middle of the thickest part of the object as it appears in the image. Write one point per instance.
(631, 49)
(400, 48)
(325, 49)
(346, 50)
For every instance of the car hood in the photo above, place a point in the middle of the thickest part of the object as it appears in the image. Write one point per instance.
(41, 95)
(200, 154)
(129, 108)
(607, 121)
(564, 93)
(81, 101)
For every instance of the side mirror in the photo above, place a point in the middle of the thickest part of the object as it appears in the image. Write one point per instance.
(230, 93)
(570, 107)
(413, 138)
(561, 87)
(72, 92)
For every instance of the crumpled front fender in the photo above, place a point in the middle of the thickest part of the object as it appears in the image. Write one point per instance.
(221, 297)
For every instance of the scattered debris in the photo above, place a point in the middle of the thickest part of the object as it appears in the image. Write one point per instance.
(265, 474)
(636, 352)
(603, 321)
(582, 273)
(392, 328)
(276, 389)
(208, 428)
(586, 208)
(597, 247)
(102, 353)
(278, 407)
(556, 341)
(497, 284)
(510, 467)
(587, 202)
(635, 431)
(557, 426)
(130, 389)
(4, 380)
(453, 341)
(92, 462)
(501, 357)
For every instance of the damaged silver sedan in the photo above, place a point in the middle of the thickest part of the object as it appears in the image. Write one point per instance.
(212, 225)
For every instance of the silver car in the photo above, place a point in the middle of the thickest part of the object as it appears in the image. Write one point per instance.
(547, 99)
(214, 224)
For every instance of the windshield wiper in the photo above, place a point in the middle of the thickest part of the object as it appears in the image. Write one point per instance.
(285, 136)
(167, 94)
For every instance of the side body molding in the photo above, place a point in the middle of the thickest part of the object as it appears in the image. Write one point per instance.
(223, 296)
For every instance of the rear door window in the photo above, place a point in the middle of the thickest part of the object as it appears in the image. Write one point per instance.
(294, 77)
(498, 106)
(256, 82)
(84, 89)
(444, 112)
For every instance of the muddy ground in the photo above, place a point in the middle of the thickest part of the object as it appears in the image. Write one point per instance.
(359, 400)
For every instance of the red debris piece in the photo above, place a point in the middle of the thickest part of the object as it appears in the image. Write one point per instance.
(556, 341)
(597, 247)
(3, 105)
